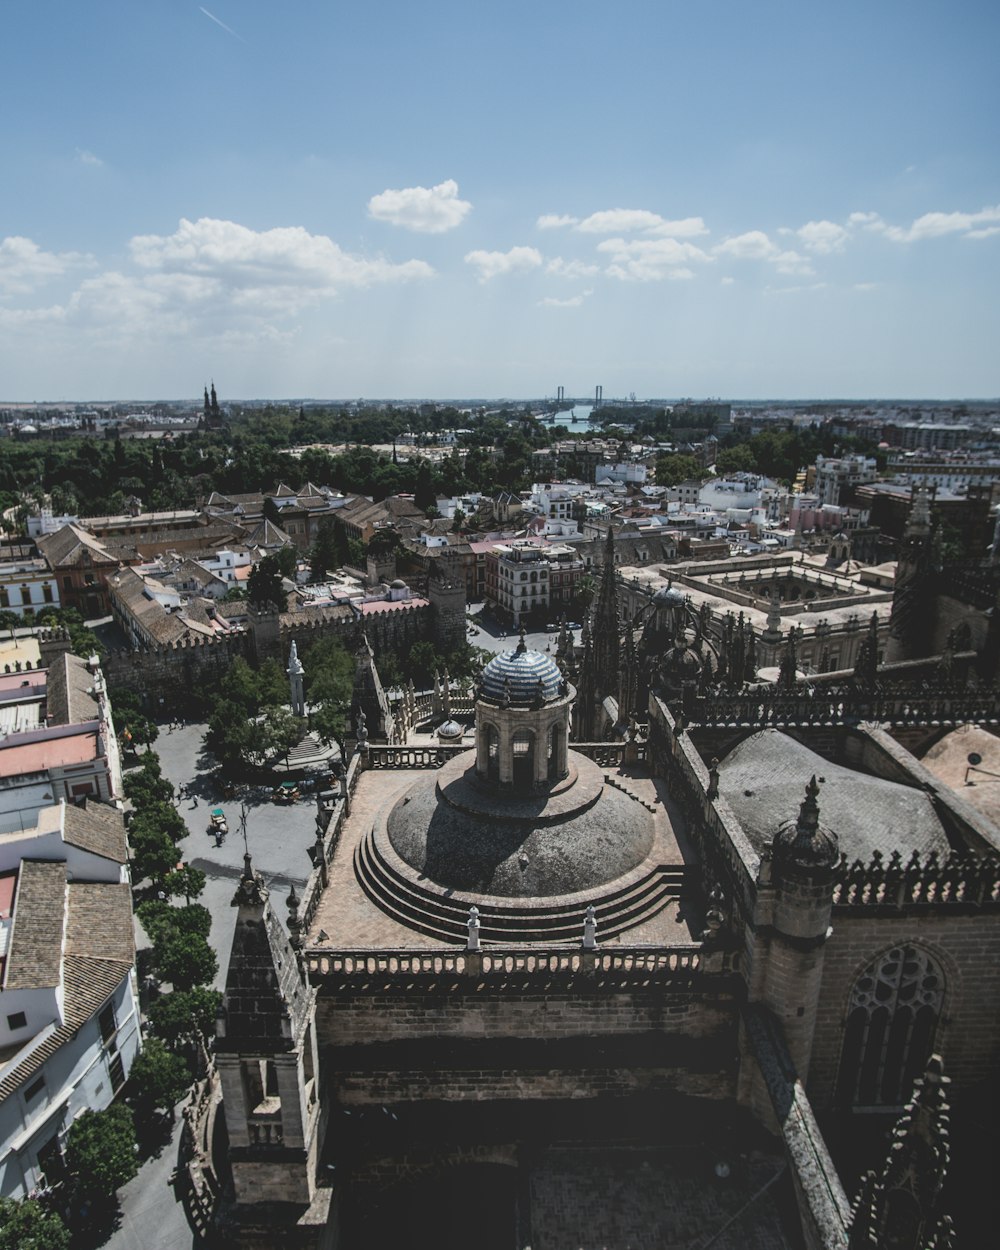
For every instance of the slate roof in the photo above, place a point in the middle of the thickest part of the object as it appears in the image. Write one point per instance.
(764, 777)
(68, 687)
(35, 952)
(96, 828)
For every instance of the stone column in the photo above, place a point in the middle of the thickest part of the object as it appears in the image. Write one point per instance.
(291, 1091)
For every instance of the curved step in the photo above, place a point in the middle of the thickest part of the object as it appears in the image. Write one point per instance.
(446, 919)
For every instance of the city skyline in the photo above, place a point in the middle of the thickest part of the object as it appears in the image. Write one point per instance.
(763, 204)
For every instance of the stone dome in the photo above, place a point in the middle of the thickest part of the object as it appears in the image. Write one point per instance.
(517, 674)
(397, 584)
(450, 729)
(457, 836)
(668, 597)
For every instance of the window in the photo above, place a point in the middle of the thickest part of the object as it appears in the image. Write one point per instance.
(34, 1089)
(25, 595)
(47, 592)
(892, 1017)
(4, 597)
(17, 1020)
(107, 1023)
(67, 583)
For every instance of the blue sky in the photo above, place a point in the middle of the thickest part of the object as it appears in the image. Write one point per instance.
(448, 199)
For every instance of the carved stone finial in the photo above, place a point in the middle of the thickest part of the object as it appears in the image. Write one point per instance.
(473, 927)
(251, 890)
(590, 929)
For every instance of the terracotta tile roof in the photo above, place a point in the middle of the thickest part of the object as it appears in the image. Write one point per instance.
(99, 921)
(35, 951)
(87, 986)
(68, 691)
(97, 828)
(72, 546)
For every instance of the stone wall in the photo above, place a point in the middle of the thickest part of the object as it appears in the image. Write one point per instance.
(966, 944)
(540, 1042)
(167, 675)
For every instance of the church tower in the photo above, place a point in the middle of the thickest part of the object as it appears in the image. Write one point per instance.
(267, 1061)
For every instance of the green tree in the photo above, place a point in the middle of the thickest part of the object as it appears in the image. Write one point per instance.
(323, 553)
(154, 855)
(28, 1225)
(146, 784)
(184, 959)
(739, 459)
(186, 881)
(264, 584)
(100, 1150)
(158, 1078)
(160, 918)
(675, 468)
(184, 1015)
(282, 730)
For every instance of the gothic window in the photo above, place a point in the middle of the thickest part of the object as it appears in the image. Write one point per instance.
(893, 1012)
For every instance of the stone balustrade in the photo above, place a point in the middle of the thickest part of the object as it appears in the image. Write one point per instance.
(675, 963)
(959, 881)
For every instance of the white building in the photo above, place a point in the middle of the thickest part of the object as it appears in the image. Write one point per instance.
(69, 1018)
(27, 584)
(834, 474)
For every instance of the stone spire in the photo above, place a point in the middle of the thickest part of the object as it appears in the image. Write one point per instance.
(912, 620)
(806, 842)
(789, 665)
(265, 997)
(901, 1206)
(606, 626)
(866, 665)
(369, 695)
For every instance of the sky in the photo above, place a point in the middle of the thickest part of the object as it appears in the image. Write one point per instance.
(328, 199)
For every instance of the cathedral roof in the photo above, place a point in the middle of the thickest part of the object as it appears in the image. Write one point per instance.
(516, 674)
(762, 780)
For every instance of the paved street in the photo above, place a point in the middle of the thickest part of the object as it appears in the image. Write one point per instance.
(278, 836)
(494, 637)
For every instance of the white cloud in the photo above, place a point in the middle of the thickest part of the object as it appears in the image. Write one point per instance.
(554, 221)
(685, 228)
(284, 267)
(25, 266)
(979, 225)
(571, 268)
(823, 237)
(755, 245)
(429, 210)
(728, 281)
(869, 221)
(574, 301)
(629, 220)
(88, 158)
(493, 264)
(865, 286)
(651, 260)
